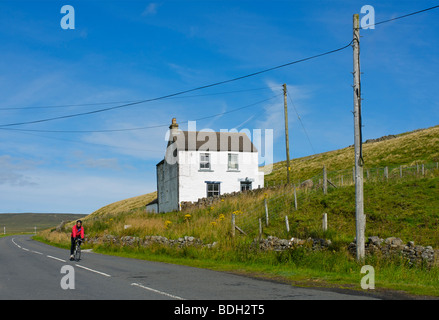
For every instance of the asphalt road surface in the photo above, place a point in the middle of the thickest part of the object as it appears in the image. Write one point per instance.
(33, 270)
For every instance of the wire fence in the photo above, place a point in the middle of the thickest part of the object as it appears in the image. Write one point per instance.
(6, 229)
(278, 206)
(338, 178)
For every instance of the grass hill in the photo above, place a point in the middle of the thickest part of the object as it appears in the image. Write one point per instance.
(407, 149)
(25, 222)
(126, 205)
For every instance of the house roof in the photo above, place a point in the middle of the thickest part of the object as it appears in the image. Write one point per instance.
(211, 141)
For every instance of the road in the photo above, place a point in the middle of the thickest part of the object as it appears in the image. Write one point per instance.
(32, 270)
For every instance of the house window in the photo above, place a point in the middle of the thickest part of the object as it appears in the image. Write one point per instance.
(204, 161)
(246, 185)
(233, 162)
(213, 189)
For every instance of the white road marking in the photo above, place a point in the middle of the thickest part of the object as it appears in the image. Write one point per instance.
(62, 260)
(104, 274)
(55, 258)
(15, 243)
(33, 251)
(158, 291)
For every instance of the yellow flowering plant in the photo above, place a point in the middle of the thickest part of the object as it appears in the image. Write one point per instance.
(168, 224)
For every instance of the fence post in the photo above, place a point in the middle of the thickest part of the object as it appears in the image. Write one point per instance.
(325, 181)
(295, 198)
(423, 171)
(400, 171)
(266, 212)
(233, 225)
(386, 172)
(325, 222)
(260, 229)
(287, 224)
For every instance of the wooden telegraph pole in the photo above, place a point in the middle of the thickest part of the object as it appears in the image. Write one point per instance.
(360, 218)
(287, 142)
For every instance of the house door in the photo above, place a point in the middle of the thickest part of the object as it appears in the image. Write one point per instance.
(213, 189)
(246, 185)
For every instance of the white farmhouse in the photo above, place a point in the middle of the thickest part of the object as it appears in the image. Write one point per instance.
(202, 164)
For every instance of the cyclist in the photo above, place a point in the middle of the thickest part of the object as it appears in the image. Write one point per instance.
(77, 234)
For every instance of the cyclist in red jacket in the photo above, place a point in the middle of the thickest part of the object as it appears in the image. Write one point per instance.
(77, 234)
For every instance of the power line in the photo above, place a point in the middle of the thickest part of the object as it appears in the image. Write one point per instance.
(128, 101)
(138, 128)
(32, 132)
(85, 142)
(400, 17)
(178, 93)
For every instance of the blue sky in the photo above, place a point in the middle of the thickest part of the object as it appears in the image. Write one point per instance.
(132, 50)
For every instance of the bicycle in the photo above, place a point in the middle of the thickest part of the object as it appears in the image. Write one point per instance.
(77, 252)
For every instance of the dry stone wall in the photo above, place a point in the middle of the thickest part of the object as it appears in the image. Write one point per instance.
(185, 241)
(392, 246)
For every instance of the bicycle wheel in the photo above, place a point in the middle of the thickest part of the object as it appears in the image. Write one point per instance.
(78, 252)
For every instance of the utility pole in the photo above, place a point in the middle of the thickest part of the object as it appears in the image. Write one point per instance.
(287, 141)
(360, 218)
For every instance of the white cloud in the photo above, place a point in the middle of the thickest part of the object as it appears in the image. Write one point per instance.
(142, 144)
(10, 171)
(274, 111)
(151, 9)
(15, 179)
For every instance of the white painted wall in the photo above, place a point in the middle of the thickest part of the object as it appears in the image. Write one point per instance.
(192, 184)
(184, 181)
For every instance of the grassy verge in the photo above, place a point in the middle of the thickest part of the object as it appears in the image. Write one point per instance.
(309, 269)
(327, 269)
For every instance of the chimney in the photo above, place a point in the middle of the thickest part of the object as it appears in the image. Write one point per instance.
(174, 131)
(174, 124)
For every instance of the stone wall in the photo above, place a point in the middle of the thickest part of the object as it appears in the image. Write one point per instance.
(148, 241)
(390, 247)
(277, 244)
(414, 254)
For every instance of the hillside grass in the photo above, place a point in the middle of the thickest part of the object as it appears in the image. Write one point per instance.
(126, 205)
(401, 208)
(407, 149)
(26, 222)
